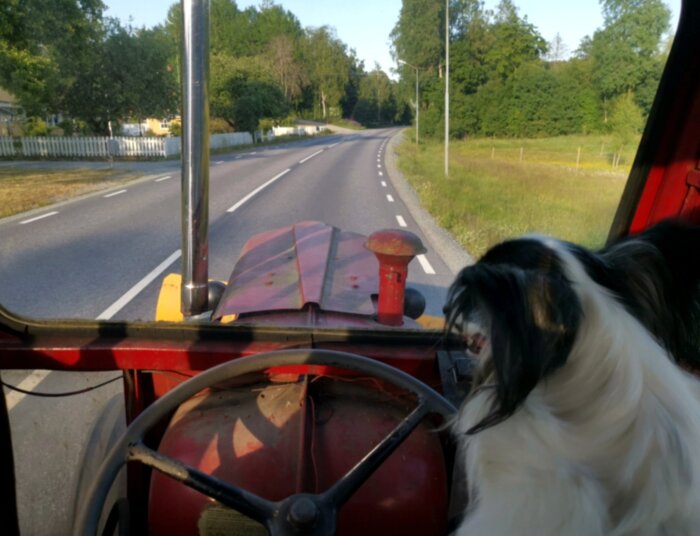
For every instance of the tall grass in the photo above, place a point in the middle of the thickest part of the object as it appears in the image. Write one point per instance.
(491, 195)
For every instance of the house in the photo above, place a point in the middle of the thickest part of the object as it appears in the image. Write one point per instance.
(11, 114)
(150, 127)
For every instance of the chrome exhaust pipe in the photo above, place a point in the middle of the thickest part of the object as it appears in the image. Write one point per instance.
(195, 156)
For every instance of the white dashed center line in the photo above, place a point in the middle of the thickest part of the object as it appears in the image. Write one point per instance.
(35, 218)
(259, 188)
(384, 184)
(218, 162)
(12, 398)
(389, 198)
(379, 165)
(118, 192)
(425, 264)
(310, 156)
(381, 174)
(402, 222)
(163, 178)
(138, 287)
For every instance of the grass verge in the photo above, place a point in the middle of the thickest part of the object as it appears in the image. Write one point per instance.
(25, 189)
(491, 197)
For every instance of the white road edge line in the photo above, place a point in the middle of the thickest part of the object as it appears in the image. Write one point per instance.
(379, 165)
(389, 198)
(12, 398)
(251, 194)
(218, 162)
(310, 156)
(381, 174)
(336, 143)
(138, 287)
(384, 184)
(30, 220)
(425, 264)
(118, 192)
(402, 222)
(163, 178)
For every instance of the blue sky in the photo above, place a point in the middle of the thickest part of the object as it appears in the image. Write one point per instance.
(365, 25)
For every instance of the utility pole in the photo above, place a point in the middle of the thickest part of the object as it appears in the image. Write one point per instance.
(447, 85)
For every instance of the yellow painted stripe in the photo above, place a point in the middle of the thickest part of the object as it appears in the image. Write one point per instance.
(431, 322)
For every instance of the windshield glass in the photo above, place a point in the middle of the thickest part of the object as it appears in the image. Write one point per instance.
(465, 126)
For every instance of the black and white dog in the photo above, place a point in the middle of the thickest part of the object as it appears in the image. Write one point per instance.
(580, 420)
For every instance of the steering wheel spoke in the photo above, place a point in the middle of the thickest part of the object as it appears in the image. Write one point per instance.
(243, 501)
(342, 490)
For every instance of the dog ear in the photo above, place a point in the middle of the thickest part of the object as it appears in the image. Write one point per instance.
(656, 275)
(532, 317)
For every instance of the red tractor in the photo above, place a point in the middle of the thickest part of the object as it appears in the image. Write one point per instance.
(300, 397)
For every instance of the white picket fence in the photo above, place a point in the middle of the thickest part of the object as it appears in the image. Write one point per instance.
(92, 147)
(129, 147)
(7, 146)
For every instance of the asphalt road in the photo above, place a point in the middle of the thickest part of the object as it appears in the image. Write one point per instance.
(104, 256)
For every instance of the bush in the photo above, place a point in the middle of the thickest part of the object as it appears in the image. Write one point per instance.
(219, 126)
(175, 128)
(626, 119)
(35, 127)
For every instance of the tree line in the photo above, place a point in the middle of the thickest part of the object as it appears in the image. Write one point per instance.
(65, 57)
(506, 80)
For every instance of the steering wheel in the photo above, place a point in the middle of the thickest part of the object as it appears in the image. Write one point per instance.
(302, 513)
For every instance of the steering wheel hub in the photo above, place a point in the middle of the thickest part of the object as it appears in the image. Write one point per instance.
(303, 512)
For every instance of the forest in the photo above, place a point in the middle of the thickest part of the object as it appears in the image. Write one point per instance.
(66, 57)
(507, 81)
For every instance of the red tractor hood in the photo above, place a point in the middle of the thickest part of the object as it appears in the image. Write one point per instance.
(306, 263)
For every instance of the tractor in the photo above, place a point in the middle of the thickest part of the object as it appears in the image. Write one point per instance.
(308, 394)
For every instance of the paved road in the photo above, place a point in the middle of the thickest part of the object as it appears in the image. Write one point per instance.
(104, 256)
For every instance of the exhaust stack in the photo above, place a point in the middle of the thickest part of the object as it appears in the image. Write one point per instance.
(195, 156)
(394, 249)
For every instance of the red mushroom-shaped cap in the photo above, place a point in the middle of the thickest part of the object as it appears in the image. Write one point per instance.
(395, 242)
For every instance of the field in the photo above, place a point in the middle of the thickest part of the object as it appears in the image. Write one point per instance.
(492, 193)
(25, 189)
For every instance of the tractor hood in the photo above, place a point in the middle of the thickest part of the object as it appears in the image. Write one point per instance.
(306, 263)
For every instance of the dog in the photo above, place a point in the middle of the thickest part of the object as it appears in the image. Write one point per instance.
(583, 418)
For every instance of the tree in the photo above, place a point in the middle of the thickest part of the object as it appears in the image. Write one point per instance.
(557, 49)
(329, 67)
(626, 119)
(254, 100)
(127, 74)
(418, 36)
(43, 44)
(288, 72)
(514, 41)
(376, 103)
(626, 53)
(242, 92)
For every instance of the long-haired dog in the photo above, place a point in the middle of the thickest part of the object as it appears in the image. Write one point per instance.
(580, 420)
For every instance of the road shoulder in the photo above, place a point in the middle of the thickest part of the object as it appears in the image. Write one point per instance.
(442, 241)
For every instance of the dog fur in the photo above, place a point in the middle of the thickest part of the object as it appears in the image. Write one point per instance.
(580, 421)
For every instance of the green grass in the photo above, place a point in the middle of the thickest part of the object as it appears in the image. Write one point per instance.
(348, 123)
(487, 199)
